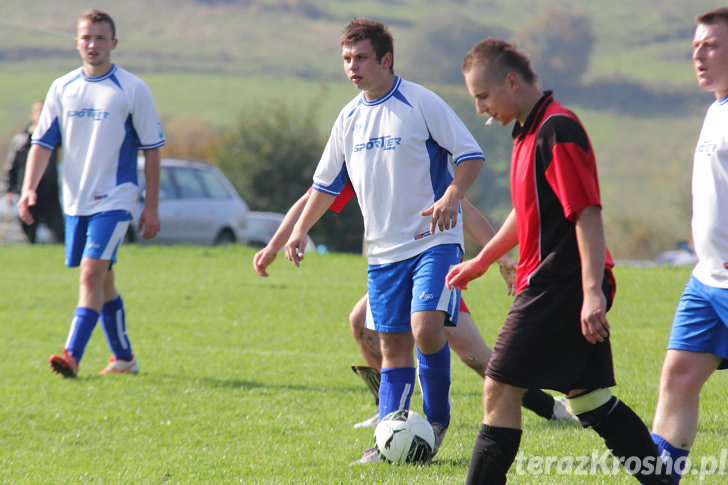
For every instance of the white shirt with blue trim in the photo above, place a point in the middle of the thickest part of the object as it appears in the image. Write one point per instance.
(710, 197)
(398, 151)
(102, 123)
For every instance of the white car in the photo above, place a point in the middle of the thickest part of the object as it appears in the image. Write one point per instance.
(263, 225)
(197, 205)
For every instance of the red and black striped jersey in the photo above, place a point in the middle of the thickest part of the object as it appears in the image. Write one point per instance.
(553, 177)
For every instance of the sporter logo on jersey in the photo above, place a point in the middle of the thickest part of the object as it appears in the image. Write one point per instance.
(383, 142)
(93, 113)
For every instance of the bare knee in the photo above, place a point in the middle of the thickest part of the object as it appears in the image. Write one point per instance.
(357, 317)
(502, 404)
(497, 395)
(93, 276)
(685, 373)
(427, 331)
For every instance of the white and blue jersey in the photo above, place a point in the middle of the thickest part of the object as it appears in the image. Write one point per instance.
(397, 151)
(102, 123)
(710, 197)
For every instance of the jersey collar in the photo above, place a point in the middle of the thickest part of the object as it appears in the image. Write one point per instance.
(534, 117)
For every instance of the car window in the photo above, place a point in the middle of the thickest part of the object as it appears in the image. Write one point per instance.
(166, 185)
(215, 188)
(188, 184)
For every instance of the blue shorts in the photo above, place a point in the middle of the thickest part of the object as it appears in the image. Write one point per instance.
(97, 236)
(701, 321)
(396, 290)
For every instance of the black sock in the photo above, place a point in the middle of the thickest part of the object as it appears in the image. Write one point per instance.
(539, 402)
(494, 451)
(626, 435)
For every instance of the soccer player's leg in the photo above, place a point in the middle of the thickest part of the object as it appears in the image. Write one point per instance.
(366, 338)
(434, 305)
(467, 342)
(388, 312)
(698, 345)
(105, 233)
(499, 438)
(623, 432)
(84, 317)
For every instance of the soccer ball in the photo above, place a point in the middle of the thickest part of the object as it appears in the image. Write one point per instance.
(404, 436)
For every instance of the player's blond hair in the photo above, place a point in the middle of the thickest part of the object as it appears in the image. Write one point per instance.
(96, 16)
(497, 58)
(714, 16)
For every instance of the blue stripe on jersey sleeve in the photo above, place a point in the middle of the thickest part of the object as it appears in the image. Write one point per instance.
(50, 138)
(335, 187)
(470, 156)
(126, 170)
(439, 174)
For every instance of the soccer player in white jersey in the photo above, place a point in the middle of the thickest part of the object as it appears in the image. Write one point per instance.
(103, 115)
(396, 142)
(698, 343)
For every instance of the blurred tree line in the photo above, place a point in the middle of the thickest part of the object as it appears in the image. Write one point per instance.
(269, 156)
(271, 153)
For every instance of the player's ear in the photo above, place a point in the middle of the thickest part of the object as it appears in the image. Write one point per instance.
(512, 81)
(386, 61)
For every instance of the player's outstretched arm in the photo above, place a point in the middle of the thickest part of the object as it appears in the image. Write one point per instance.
(503, 241)
(317, 204)
(482, 232)
(267, 255)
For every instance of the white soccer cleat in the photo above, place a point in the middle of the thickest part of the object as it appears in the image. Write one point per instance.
(371, 455)
(562, 411)
(439, 431)
(116, 366)
(369, 422)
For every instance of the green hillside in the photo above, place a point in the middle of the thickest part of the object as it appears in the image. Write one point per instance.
(208, 58)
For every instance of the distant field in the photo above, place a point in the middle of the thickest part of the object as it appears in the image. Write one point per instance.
(246, 379)
(208, 59)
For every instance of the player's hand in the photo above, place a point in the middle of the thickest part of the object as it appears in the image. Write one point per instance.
(594, 325)
(149, 223)
(27, 199)
(296, 247)
(508, 272)
(461, 274)
(444, 212)
(263, 259)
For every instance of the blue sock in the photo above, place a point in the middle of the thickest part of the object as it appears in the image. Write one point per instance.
(113, 321)
(395, 389)
(675, 458)
(434, 371)
(82, 326)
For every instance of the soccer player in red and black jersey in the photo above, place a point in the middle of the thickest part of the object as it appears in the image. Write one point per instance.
(556, 335)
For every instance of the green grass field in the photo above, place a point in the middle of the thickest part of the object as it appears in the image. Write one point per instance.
(246, 379)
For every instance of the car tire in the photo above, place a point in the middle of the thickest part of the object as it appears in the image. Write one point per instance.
(225, 237)
(130, 236)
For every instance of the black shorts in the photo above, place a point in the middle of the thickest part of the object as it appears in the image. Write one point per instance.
(541, 345)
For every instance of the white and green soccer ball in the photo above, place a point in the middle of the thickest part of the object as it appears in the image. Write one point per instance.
(404, 436)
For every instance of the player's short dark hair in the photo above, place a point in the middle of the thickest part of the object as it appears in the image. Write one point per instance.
(378, 33)
(499, 57)
(714, 16)
(96, 16)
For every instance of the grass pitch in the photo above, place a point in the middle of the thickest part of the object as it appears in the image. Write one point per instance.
(246, 379)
